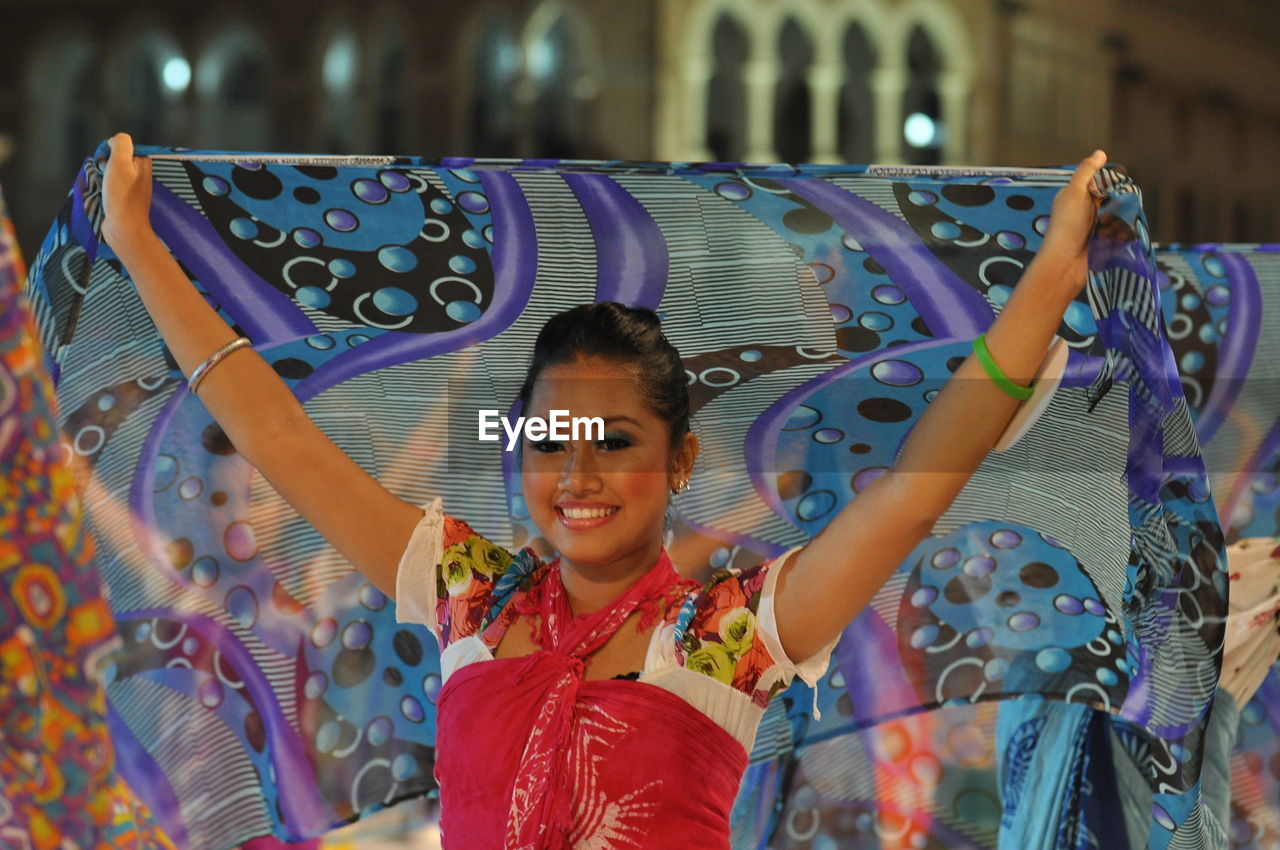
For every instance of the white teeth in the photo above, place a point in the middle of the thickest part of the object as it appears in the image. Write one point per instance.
(587, 513)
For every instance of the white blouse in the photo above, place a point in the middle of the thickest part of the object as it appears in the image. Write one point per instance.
(732, 709)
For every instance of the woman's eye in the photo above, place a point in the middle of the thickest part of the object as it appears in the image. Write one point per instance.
(545, 446)
(613, 443)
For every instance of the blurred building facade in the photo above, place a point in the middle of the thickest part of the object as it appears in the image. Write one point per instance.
(1181, 90)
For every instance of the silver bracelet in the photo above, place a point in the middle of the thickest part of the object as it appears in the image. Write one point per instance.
(202, 371)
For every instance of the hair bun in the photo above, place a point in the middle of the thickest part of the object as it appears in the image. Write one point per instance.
(614, 331)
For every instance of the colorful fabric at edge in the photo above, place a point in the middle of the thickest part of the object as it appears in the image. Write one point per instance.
(1219, 301)
(58, 782)
(1060, 571)
(1215, 299)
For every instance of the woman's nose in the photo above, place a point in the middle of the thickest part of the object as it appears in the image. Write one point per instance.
(579, 472)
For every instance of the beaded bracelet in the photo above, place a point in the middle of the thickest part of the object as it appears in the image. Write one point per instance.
(202, 371)
(993, 371)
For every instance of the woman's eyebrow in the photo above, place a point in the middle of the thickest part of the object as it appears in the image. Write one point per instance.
(609, 419)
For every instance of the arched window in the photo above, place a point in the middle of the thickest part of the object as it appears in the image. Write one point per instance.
(792, 105)
(389, 95)
(339, 70)
(493, 105)
(727, 92)
(554, 64)
(857, 104)
(923, 127)
(231, 80)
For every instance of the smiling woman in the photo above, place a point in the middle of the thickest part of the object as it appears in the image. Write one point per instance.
(544, 741)
(552, 637)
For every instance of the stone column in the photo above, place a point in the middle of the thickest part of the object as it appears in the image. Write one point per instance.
(887, 86)
(824, 99)
(761, 77)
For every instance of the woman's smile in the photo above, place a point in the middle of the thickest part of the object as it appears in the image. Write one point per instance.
(582, 516)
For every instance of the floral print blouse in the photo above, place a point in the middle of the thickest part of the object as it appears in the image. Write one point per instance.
(719, 649)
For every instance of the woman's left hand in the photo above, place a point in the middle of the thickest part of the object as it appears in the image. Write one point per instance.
(1075, 211)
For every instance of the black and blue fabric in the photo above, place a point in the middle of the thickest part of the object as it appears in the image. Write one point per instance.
(1073, 597)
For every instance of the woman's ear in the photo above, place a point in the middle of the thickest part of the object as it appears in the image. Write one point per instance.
(685, 456)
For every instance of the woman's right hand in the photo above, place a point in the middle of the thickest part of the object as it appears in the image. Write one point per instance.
(256, 409)
(126, 196)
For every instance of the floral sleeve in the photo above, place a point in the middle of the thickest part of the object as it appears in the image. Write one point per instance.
(447, 576)
(732, 636)
(470, 566)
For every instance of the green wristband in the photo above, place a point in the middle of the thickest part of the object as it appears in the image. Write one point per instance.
(993, 371)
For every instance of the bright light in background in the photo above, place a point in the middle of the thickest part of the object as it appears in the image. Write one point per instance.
(340, 62)
(176, 74)
(542, 59)
(920, 130)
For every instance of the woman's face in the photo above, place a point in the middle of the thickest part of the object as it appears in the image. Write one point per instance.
(601, 502)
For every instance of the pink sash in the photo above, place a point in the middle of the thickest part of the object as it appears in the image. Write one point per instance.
(532, 757)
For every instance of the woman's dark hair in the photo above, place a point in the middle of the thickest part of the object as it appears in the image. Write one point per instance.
(630, 335)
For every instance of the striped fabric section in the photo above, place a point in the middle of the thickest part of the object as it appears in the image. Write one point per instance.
(1237, 439)
(110, 349)
(1181, 683)
(1116, 180)
(1179, 435)
(1123, 287)
(172, 174)
(225, 806)
(889, 597)
(720, 496)
(1190, 833)
(563, 264)
(879, 192)
(733, 281)
(846, 769)
(419, 401)
(1032, 483)
(773, 736)
(55, 311)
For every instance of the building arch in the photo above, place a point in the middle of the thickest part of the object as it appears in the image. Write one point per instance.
(948, 35)
(856, 114)
(696, 68)
(724, 134)
(146, 83)
(560, 56)
(232, 83)
(793, 101)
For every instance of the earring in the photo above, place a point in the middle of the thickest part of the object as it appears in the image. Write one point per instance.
(682, 486)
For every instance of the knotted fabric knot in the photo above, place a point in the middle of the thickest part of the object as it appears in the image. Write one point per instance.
(542, 803)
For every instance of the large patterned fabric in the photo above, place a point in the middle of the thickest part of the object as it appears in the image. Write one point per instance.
(1219, 303)
(1073, 597)
(58, 782)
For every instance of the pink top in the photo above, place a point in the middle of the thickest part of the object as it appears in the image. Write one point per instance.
(532, 756)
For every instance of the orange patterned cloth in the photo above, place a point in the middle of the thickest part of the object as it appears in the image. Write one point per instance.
(58, 784)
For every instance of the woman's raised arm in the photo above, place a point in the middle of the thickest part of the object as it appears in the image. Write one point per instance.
(828, 582)
(368, 524)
